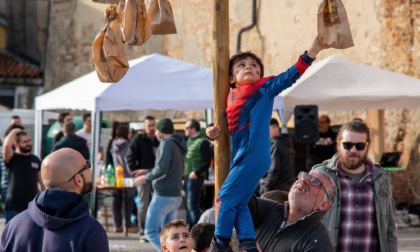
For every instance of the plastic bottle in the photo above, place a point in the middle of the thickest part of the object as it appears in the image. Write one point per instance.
(119, 175)
(104, 175)
(111, 175)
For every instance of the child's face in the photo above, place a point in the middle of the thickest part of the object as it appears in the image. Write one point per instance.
(179, 239)
(245, 71)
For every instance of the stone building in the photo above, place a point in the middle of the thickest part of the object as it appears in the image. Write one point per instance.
(386, 35)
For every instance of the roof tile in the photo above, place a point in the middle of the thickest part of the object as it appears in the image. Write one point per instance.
(14, 67)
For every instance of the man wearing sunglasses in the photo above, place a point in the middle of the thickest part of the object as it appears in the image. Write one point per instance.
(58, 219)
(363, 217)
(296, 225)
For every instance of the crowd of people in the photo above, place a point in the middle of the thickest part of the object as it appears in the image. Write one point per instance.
(343, 203)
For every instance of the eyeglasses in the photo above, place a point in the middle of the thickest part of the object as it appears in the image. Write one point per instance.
(87, 166)
(189, 127)
(349, 145)
(313, 181)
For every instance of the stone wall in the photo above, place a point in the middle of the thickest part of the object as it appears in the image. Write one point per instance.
(386, 35)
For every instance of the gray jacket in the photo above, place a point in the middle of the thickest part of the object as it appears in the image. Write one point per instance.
(384, 206)
(169, 167)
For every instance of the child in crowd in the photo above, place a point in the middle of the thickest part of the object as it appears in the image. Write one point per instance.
(175, 237)
(276, 195)
(249, 110)
(202, 234)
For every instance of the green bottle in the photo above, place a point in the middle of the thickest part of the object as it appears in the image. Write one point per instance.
(111, 175)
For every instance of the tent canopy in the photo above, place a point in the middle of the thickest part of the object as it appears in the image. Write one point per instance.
(336, 83)
(152, 82)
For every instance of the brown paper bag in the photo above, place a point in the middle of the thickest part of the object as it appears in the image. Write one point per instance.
(135, 26)
(161, 17)
(106, 1)
(110, 61)
(333, 25)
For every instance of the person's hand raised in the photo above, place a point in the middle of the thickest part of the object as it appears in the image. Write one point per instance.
(316, 47)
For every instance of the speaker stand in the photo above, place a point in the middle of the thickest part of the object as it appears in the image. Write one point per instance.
(308, 161)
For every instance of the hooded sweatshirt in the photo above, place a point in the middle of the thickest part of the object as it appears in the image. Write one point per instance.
(169, 167)
(55, 221)
(119, 152)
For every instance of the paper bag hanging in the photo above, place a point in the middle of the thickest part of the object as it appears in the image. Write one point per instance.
(110, 61)
(333, 25)
(106, 1)
(135, 28)
(161, 17)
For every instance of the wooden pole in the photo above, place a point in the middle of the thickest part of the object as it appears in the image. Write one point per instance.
(221, 89)
(376, 119)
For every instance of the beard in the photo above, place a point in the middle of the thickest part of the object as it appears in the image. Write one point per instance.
(26, 149)
(87, 187)
(349, 163)
(300, 202)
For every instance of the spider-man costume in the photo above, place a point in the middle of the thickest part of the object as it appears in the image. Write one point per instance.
(249, 110)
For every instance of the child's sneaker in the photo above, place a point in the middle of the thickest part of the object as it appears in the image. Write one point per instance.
(216, 247)
(248, 246)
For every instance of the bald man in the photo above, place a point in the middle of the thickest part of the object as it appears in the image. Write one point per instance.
(58, 218)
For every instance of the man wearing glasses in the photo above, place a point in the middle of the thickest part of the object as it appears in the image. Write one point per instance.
(296, 225)
(58, 219)
(363, 217)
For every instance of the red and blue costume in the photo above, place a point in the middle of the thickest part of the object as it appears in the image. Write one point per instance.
(249, 110)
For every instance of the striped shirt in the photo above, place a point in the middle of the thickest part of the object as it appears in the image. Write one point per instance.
(358, 229)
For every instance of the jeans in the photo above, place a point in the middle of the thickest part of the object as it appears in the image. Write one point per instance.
(10, 215)
(3, 195)
(193, 193)
(161, 211)
(145, 192)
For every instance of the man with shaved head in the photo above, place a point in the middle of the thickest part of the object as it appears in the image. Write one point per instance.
(58, 218)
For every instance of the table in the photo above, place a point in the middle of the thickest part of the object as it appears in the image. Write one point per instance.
(124, 190)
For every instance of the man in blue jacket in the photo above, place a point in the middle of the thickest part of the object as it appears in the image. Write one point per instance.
(58, 218)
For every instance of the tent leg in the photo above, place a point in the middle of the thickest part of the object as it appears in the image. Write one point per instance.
(38, 133)
(96, 129)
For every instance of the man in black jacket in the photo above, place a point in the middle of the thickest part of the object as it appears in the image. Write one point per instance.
(326, 146)
(71, 140)
(281, 174)
(296, 225)
(141, 155)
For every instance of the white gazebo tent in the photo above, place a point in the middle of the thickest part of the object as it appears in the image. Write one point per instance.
(152, 82)
(336, 83)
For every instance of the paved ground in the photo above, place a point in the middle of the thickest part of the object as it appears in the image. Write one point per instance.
(409, 240)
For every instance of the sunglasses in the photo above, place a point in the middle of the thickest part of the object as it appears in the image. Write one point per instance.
(349, 145)
(313, 181)
(87, 166)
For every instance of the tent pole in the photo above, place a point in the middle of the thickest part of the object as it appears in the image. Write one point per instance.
(221, 89)
(208, 114)
(96, 123)
(38, 133)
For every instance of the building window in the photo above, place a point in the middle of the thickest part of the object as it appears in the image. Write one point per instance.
(7, 97)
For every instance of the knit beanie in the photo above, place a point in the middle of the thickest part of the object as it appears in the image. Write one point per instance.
(165, 126)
